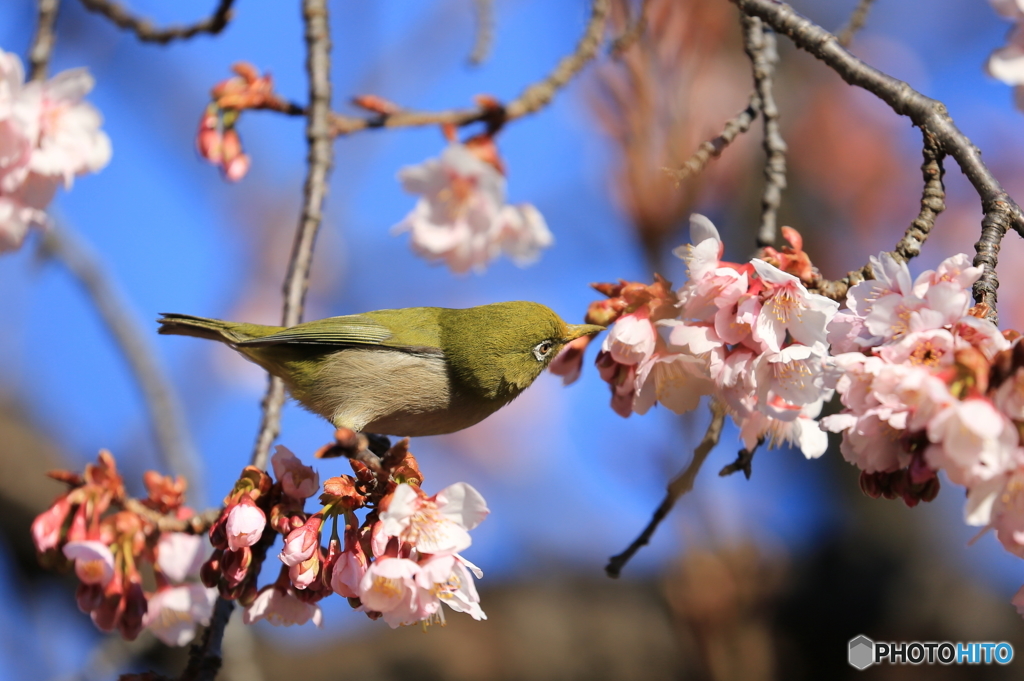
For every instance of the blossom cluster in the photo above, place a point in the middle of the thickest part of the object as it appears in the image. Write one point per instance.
(461, 218)
(751, 335)
(48, 135)
(111, 547)
(217, 139)
(1007, 63)
(926, 382)
(400, 563)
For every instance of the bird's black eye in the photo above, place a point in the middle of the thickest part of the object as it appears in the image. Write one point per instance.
(542, 350)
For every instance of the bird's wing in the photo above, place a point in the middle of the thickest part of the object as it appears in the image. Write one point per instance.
(348, 330)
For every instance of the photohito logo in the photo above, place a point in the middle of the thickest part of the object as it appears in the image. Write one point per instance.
(863, 652)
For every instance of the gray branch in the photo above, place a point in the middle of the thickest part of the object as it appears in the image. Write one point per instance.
(319, 159)
(1001, 211)
(759, 44)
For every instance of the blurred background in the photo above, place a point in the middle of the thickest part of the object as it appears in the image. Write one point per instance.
(761, 579)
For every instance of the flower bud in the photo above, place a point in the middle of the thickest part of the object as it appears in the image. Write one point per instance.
(302, 542)
(245, 523)
(46, 528)
(235, 566)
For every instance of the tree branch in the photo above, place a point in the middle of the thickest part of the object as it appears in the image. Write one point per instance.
(164, 411)
(42, 42)
(319, 160)
(197, 524)
(205, 658)
(713, 148)
(484, 40)
(1001, 212)
(147, 33)
(855, 22)
(759, 44)
(932, 203)
(680, 485)
(532, 99)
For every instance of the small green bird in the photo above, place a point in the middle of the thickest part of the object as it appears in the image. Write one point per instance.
(409, 372)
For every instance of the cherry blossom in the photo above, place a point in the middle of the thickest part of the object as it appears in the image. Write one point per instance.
(389, 587)
(94, 563)
(280, 606)
(174, 612)
(461, 218)
(180, 555)
(434, 525)
(302, 543)
(788, 307)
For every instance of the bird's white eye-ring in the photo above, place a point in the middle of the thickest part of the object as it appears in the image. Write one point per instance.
(542, 350)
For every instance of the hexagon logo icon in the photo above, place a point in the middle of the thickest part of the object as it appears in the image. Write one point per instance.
(862, 652)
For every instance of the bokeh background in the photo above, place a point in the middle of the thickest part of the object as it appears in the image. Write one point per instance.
(766, 578)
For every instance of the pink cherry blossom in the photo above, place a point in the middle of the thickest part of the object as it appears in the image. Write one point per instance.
(303, 574)
(787, 307)
(631, 339)
(282, 608)
(800, 430)
(439, 524)
(973, 442)
(179, 555)
(704, 252)
(523, 233)
(244, 524)
(298, 480)
(389, 587)
(449, 580)
(794, 375)
(94, 563)
(173, 613)
(461, 218)
(70, 140)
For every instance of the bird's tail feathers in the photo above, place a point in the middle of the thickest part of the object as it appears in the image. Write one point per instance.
(172, 324)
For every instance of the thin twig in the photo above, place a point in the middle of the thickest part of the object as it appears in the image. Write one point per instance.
(147, 33)
(484, 11)
(319, 159)
(759, 44)
(42, 42)
(635, 29)
(855, 22)
(932, 203)
(680, 485)
(165, 414)
(197, 524)
(532, 99)
(713, 148)
(1001, 211)
(205, 657)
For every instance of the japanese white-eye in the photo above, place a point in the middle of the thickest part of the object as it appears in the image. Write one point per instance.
(408, 372)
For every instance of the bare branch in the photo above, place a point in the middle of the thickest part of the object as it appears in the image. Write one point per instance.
(197, 524)
(713, 148)
(484, 31)
(680, 485)
(855, 22)
(319, 159)
(1001, 211)
(759, 44)
(932, 203)
(532, 99)
(42, 42)
(205, 658)
(165, 414)
(147, 33)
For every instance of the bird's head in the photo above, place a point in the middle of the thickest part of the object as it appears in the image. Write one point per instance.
(501, 349)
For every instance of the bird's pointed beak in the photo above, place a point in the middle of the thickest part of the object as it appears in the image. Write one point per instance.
(578, 330)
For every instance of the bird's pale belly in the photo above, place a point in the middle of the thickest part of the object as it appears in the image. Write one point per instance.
(389, 392)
